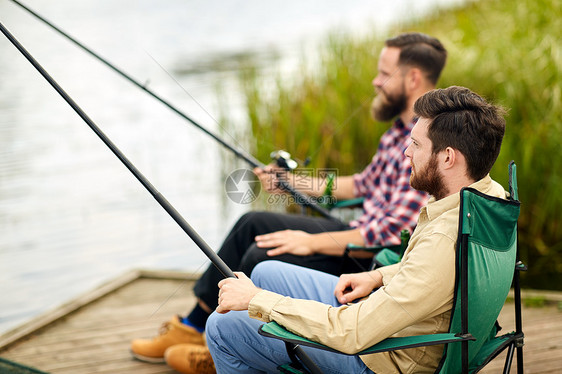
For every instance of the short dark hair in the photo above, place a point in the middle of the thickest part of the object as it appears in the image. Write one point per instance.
(463, 120)
(422, 51)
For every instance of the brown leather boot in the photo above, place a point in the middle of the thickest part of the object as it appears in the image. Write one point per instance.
(172, 333)
(190, 359)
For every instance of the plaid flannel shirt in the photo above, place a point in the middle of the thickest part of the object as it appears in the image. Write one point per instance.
(390, 204)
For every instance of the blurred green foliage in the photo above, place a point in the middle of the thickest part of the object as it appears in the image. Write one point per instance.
(508, 51)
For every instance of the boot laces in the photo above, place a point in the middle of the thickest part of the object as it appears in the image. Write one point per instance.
(202, 361)
(164, 328)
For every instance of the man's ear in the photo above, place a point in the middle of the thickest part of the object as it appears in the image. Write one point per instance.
(449, 157)
(414, 79)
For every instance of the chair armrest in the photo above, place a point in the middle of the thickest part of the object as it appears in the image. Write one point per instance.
(375, 248)
(348, 203)
(274, 330)
(398, 248)
(384, 256)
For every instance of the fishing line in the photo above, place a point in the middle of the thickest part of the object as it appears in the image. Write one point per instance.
(190, 95)
(300, 198)
(215, 259)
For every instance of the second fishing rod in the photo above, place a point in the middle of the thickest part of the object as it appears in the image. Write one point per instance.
(282, 158)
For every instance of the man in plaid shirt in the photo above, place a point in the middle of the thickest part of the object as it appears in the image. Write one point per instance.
(409, 66)
(390, 203)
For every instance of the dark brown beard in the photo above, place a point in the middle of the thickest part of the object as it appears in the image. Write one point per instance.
(429, 179)
(386, 107)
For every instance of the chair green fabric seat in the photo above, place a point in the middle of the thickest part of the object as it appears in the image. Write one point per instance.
(274, 330)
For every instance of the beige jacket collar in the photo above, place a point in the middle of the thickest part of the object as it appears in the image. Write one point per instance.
(435, 208)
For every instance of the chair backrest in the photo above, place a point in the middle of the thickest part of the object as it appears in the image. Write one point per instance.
(486, 254)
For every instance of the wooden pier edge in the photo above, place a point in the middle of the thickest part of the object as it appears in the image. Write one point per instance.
(43, 320)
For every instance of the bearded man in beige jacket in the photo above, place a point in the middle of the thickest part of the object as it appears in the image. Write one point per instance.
(454, 144)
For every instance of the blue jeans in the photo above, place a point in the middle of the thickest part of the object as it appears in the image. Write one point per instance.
(237, 347)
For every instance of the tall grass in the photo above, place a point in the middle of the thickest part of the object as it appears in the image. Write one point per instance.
(508, 51)
(324, 115)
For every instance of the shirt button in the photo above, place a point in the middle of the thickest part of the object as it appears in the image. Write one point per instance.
(258, 314)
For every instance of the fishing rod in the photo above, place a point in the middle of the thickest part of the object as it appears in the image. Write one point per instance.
(300, 198)
(215, 259)
(211, 255)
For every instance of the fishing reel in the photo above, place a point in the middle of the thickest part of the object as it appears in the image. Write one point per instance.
(283, 159)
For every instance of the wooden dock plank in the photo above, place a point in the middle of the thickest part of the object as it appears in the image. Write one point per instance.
(95, 338)
(542, 352)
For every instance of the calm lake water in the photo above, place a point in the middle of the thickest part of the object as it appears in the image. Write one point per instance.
(71, 215)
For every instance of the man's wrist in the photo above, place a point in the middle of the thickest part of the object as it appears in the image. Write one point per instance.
(312, 240)
(377, 277)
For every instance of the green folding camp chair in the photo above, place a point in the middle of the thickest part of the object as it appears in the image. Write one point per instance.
(485, 269)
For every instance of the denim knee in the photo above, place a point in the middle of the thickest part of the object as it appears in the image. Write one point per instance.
(264, 270)
(211, 327)
(214, 326)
